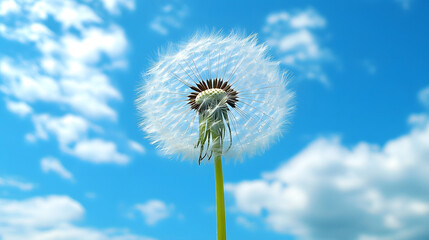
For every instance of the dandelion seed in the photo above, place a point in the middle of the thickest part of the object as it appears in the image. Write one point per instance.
(225, 84)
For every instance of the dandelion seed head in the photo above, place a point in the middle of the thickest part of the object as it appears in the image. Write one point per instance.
(227, 78)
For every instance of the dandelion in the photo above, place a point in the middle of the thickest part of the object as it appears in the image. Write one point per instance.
(214, 96)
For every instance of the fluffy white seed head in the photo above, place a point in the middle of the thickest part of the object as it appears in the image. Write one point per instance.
(243, 78)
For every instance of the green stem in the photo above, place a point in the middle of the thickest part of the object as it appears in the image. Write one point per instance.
(220, 202)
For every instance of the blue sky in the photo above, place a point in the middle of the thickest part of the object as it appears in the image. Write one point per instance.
(352, 165)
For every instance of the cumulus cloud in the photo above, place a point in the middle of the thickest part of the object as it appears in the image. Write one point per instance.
(51, 218)
(71, 132)
(10, 182)
(171, 16)
(8, 7)
(40, 211)
(94, 42)
(49, 164)
(25, 84)
(99, 151)
(68, 69)
(29, 33)
(297, 38)
(333, 191)
(69, 78)
(113, 6)
(68, 13)
(20, 108)
(154, 211)
(67, 129)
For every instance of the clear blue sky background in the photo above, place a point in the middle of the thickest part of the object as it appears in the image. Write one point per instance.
(360, 77)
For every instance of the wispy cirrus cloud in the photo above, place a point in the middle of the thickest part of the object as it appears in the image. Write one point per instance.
(170, 16)
(297, 38)
(14, 183)
(50, 164)
(333, 191)
(137, 147)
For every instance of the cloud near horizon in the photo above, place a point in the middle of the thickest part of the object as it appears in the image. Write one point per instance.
(332, 191)
(52, 217)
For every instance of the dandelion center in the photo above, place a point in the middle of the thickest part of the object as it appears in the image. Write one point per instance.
(212, 93)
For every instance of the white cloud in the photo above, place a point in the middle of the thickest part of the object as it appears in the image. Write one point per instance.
(25, 84)
(69, 70)
(295, 36)
(67, 129)
(171, 16)
(20, 108)
(40, 212)
(136, 146)
(94, 42)
(8, 6)
(30, 33)
(49, 164)
(71, 132)
(424, 96)
(330, 191)
(80, 85)
(51, 218)
(90, 97)
(69, 63)
(154, 211)
(99, 151)
(10, 182)
(113, 6)
(68, 13)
